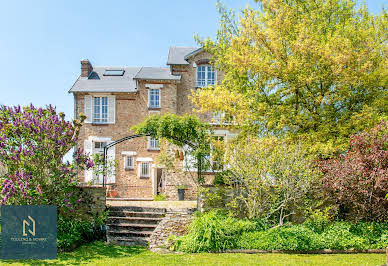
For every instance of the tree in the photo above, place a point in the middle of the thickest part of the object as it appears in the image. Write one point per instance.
(358, 179)
(271, 179)
(313, 70)
(33, 142)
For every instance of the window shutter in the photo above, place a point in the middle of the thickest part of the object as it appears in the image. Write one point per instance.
(189, 160)
(88, 149)
(139, 169)
(88, 109)
(111, 173)
(111, 109)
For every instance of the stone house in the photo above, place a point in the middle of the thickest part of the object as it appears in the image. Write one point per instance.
(114, 98)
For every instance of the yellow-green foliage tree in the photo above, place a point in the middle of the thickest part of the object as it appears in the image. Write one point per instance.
(315, 70)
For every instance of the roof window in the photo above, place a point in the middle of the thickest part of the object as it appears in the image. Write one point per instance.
(111, 72)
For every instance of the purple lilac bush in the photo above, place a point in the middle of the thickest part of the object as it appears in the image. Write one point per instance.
(33, 142)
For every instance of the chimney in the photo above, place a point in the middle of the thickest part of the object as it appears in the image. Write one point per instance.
(86, 68)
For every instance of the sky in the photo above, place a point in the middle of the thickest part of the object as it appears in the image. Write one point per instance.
(42, 42)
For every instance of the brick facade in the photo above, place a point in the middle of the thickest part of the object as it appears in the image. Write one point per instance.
(131, 108)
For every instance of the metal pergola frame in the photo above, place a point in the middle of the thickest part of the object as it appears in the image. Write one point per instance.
(114, 143)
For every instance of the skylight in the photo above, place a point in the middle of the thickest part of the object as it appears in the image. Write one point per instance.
(111, 72)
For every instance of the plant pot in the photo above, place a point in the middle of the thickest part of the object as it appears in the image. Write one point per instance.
(113, 193)
(181, 194)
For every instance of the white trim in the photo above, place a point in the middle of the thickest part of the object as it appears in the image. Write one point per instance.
(128, 153)
(154, 86)
(144, 159)
(99, 139)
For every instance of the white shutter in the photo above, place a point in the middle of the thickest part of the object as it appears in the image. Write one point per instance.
(189, 160)
(88, 149)
(111, 173)
(111, 109)
(88, 109)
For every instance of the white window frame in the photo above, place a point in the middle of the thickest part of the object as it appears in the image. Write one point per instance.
(102, 117)
(205, 82)
(151, 102)
(153, 144)
(128, 159)
(143, 166)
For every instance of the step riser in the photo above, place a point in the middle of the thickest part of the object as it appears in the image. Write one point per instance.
(137, 209)
(130, 228)
(128, 235)
(128, 242)
(135, 214)
(137, 221)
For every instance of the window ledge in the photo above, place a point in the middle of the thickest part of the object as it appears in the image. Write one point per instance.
(129, 169)
(151, 149)
(144, 177)
(154, 108)
(100, 124)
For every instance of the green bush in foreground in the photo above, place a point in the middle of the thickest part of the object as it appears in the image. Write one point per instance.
(215, 231)
(72, 232)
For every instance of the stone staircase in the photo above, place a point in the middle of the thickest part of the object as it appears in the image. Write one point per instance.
(130, 226)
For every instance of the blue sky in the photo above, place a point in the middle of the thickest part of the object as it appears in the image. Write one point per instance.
(42, 42)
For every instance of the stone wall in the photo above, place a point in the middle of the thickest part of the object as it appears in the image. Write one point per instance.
(92, 201)
(174, 223)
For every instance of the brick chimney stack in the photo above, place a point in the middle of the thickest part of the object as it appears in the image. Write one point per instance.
(86, 68)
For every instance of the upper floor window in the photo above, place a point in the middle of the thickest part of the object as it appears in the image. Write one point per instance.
(100, 109)
(154, 98)
(206, 75)
(153, 144)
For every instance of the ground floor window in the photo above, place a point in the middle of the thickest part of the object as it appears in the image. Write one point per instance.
(145, 169)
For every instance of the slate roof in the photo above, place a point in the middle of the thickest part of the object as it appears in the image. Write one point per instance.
(162, 73)
(176, 55)
(97, 82)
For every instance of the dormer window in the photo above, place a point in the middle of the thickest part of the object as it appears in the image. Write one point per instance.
(206, 75)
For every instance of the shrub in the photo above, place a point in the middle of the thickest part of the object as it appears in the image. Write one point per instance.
(159, 197)
(213, 231)
(358, 180)
(216, 231)
(72, 231)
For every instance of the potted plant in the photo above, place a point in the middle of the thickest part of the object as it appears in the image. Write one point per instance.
(181, 192)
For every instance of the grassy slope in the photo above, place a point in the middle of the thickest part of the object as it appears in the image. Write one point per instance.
(100, 254)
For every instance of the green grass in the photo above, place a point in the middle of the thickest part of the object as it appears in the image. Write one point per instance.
(99, 253)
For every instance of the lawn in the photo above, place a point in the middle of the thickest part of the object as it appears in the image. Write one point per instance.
(99, 253)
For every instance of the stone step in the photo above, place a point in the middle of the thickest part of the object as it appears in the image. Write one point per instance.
(137, 209)
(127, 241)
(129, 233)
(124, 213)
(137, 220)
(133, 227)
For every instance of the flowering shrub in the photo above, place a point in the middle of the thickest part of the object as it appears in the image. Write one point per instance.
(33, 142)
(358, 180)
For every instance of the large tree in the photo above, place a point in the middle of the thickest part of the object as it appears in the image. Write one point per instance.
(313, 69)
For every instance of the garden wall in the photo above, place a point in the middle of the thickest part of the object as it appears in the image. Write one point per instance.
(174, 223)
(93, 199)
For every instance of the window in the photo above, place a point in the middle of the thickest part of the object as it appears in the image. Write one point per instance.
(99, 147)
(129, 162)
(145, 170)
(153, 144)
(206, 75)
(100, 110)
(154, 98)
(117, 72)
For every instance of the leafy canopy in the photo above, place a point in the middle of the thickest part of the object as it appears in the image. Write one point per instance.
(312, 69)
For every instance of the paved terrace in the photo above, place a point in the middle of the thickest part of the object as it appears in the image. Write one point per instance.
(186, 204)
